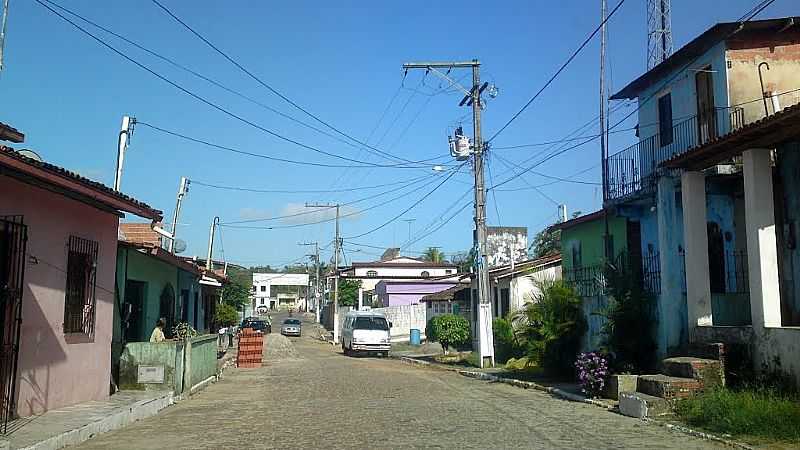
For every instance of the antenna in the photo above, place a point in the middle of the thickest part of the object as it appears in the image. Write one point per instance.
(659, 32)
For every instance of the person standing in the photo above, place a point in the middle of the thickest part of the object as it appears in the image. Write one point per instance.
(158, 331)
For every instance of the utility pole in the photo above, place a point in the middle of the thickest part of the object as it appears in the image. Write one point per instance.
(317, 291)
(214, 223)
(3, 33)
(473, 98)
(336, 248)
(183, 188)
(603, 143)
(125, 133)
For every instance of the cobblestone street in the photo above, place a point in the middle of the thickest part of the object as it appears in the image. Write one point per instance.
(322, 399)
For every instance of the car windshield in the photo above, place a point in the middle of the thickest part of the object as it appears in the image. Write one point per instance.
(370, 323)
(256, 324)
(291, 322)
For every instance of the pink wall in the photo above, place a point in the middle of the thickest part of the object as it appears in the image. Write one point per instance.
(57, 370)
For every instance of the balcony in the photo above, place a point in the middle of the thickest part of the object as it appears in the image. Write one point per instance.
(633, 172)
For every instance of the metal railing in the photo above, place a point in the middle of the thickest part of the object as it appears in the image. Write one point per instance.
(591, 280)
(634, 171)
(736, 278)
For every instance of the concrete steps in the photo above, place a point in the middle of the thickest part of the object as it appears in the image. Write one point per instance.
(709, 371)
(667, 387)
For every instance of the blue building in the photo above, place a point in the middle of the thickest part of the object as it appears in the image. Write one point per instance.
(732, 75)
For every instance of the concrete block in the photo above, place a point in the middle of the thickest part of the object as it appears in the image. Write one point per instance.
(708, 371)
(639, 405)
(668, 387)
(617, 384)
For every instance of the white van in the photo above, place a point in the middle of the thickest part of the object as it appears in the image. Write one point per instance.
(365, 331)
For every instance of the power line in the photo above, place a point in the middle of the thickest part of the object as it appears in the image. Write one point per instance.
(558, 72)
(362, 164)
(312, 211)
(270, 88)
(306, 191)
(197, 96)
(434, 221)
(561, 141)
(407, 209)
(539, 191)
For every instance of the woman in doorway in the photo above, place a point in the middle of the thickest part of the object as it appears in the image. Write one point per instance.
(158, 331)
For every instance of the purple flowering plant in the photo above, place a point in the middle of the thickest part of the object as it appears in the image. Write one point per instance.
(592, 371)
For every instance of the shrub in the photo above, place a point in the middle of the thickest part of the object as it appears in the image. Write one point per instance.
(183, 330)
(226, 315)
(551, 326)
(592, 371)
(629, 328)
(760, 412)
(506, 345)
(450, 330)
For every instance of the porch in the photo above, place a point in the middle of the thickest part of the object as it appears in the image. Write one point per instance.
(770, 162)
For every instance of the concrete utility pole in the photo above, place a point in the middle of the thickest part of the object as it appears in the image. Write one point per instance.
(317, 291)
(603, 142)
(336, 248)
(473, 98)
(183, 188)
(214, 223)
(125, 133)
(3, 33)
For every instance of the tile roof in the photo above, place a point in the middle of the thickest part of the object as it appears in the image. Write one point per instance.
(445, 295)
(163, 255)
(140, 233)
(72, 182)
(578, 220)
(11, 134)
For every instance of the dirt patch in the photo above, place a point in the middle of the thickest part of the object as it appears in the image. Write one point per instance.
(278, 347)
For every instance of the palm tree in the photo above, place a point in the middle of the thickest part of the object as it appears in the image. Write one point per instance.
(433, 254)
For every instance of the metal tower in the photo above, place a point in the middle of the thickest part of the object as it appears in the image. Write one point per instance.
(659, 32)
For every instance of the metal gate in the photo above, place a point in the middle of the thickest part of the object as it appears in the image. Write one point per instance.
(13, 240)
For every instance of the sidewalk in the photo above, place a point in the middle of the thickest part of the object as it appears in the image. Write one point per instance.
(75, 424)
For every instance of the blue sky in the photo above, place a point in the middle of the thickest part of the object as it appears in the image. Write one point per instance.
(342, 61)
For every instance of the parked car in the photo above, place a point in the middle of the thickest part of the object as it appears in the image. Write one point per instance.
(366, 331)
(258, 325)
(291, 327)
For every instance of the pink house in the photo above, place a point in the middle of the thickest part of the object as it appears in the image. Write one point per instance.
(58, 247)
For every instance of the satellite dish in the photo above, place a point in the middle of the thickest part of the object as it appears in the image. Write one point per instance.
(180, 246)
(28, 153)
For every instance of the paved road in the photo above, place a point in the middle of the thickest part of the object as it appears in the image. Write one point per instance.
(322, 399)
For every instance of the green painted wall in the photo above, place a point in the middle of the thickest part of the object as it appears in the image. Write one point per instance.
(588, 236)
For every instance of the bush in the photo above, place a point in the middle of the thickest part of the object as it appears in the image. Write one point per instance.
(629, 329)
(226, 316)
(551, 326)
(761, 413)
(450, 330)
(183, 330)
(506, 345)
(592, 372)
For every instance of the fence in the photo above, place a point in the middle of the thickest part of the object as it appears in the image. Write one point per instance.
(179, 366)
(591, 280)
(635, 170)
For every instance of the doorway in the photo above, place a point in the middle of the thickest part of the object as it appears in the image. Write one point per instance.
(706, 113)
(134, 302)
(716, 258)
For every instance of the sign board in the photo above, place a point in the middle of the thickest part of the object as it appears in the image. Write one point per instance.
(150, 374)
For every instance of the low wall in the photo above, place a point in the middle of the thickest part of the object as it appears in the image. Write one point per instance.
(185, 364)
(403, 319)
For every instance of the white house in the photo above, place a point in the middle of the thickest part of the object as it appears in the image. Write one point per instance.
(274, 290)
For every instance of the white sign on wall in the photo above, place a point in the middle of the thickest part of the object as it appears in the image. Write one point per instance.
(150, 374)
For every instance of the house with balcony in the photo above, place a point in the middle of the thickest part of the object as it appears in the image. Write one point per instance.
(732, 76)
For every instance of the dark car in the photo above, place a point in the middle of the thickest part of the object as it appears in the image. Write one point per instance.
(259, 325)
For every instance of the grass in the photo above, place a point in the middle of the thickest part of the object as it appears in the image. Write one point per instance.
(464, 359)
(759, 413)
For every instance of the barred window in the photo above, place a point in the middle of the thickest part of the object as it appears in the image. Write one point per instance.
(372, 273)
(79, 302)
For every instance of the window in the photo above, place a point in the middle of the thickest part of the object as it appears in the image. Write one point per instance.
(425, 274)
(263, 288)
(372, 273)
(79, 301)
(448, 272)
(370, 323)
(262, 301)
(576, 254)
(665, 119)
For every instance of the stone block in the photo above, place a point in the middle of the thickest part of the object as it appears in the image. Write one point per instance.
(708, 371)
(639, 405)
(667, 387)
(617, 384)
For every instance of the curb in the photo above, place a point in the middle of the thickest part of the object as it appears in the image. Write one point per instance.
(700, 434)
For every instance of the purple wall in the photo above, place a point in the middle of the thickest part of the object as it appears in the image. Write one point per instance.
(407, 293)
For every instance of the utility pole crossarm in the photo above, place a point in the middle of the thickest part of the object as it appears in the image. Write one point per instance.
(432, 64)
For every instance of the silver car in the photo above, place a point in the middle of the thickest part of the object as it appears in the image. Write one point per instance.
(291, 327)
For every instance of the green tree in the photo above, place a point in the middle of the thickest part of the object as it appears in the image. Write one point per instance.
(463, 260)
(450, 330)
(348, 292)
(433, 254)
(236, 293)
(546, 242)
(226, 316)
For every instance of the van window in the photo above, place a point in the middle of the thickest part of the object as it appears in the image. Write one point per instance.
(370, 323)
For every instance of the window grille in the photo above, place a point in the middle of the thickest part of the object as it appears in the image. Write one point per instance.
(80, 299)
